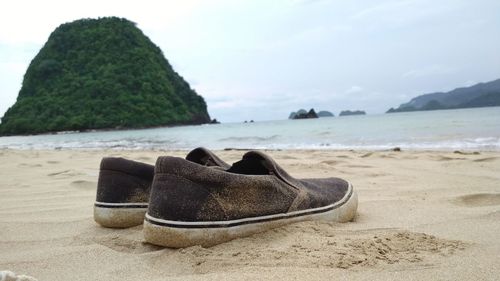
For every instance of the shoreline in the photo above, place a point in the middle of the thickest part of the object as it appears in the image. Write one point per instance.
(395, 149)
(476, 130)
(107, 130)
(430, 215)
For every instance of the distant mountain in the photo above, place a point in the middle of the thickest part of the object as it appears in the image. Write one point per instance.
(324, 113)
(354, 112)
(479, 95)
(101, 74)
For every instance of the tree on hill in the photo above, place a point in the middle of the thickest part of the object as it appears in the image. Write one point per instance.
(98, 74)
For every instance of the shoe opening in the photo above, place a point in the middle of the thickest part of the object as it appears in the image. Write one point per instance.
(251, 164)
(198, 156)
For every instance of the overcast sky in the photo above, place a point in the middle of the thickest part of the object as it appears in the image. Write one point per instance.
(263, 59)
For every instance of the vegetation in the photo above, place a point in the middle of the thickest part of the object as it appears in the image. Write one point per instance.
(486, 100)
(303, 114)
(479, 95)
(98, 74)
(349, 112)
(325, 113)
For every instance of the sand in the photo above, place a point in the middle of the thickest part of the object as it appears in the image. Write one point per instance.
(422, 216)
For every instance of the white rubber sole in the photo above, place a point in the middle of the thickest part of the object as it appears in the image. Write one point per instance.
(175, 234)
(119, 215)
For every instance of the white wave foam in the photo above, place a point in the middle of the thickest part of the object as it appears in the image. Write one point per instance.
(479, 130)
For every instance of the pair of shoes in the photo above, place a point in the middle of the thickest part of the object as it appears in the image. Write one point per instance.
(203, 201)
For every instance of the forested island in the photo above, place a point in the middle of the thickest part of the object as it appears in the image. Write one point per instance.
(353, 112)
(325, 113)
(303, 114)
(101, 74)
(479, 95)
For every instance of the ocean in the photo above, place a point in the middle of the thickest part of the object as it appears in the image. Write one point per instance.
(461, 129)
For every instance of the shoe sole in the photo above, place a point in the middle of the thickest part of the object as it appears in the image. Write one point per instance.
(176, 234)
(119, 215)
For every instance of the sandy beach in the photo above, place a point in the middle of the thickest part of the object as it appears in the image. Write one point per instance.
(422, 216)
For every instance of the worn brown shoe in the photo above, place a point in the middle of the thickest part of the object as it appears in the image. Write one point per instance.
(124, 185)
(194, 205)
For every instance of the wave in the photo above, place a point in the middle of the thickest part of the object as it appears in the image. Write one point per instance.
(479, 130)
(272, 142)
(249, 139)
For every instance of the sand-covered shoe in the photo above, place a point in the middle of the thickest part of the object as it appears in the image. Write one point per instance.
(194, 205)
(124, 186)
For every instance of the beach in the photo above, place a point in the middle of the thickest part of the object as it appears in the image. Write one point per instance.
(423, 215)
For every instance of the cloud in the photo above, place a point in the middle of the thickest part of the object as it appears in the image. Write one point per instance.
(396, 13)
(469, 83)
(32, 21)
(310, 2)
(383, 8)
(232, 103)
(11, 72)
(354, 89)
(261, 60)
(431, 70)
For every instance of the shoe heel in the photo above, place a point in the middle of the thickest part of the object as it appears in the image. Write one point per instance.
(119, 217)
(121, 199)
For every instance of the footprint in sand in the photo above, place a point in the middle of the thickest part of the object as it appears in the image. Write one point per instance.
(143, 158)
(124, 245)
(331, 162)
(83, 184)
(487, 159)
(389, 156)
(446, 158)
(410, 157)
(30, 165)
(495, 216)
(321, 247)
(57, 173)
(374, 175)
(359, 166)
(344, 156)
(479, 199)
(287, 157)
(65, 173)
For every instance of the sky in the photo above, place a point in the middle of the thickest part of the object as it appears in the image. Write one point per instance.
(261, 59)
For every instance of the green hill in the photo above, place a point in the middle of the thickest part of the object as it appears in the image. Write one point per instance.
(479, 95)
(101, 74)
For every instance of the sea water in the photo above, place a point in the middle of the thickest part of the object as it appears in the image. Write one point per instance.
(461, 129)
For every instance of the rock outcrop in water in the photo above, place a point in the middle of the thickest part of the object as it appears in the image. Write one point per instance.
(479, 95)
(299, 112)
(302, 114)
(354, 112)
(324, 113)
(101, 74)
